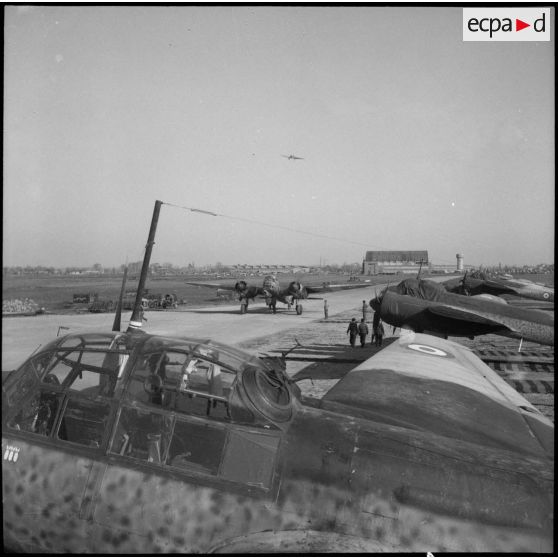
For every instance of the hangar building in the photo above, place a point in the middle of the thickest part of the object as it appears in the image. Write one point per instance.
(394, 261)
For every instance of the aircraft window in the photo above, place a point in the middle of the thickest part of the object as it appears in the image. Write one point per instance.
(41, 363)
(156, 377)
(225, 356)
(196, 447)
(92, 383)
(84, 422)
(27, 378)
(38, 414)
(250, 457)
(97, 340)
(188, 385)
(142, 434)
(204, 389)
(58, 373)
(91, 372)
(93, 358)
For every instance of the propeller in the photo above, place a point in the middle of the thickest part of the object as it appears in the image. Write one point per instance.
(376, 302)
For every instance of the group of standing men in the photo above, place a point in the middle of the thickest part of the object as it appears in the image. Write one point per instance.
(361, 329)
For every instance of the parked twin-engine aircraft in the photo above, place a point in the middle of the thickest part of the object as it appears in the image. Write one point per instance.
(481, 283)
(272, 291)
(292, 157)
(130, 443)
(425, 306)
(125, 443)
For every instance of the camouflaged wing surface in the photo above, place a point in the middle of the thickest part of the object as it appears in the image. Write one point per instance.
(440, 387)
(465, 316)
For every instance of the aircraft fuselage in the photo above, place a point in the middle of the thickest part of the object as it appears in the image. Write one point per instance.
(330, 480)
(132, 450)
(493, 317)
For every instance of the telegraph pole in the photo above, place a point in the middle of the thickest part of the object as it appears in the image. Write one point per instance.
(135, 320)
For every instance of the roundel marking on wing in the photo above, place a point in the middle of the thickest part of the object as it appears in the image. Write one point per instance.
(428, 350)
(546, 295)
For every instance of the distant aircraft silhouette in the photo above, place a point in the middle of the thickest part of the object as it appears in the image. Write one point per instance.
(292, 157)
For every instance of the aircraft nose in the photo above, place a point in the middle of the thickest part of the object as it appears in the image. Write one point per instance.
(375, 304)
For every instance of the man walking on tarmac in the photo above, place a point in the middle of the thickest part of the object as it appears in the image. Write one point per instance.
(363, 332)
(352, 330)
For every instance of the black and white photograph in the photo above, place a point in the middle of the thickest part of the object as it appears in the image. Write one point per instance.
(278, 278)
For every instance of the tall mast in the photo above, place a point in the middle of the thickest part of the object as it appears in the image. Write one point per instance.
(135, 320)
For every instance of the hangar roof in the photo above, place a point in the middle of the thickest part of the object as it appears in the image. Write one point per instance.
(397, 256)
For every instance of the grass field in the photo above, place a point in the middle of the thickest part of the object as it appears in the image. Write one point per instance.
(55, 293)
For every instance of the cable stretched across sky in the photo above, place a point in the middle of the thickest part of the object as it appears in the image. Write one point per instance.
(282, 227)
(254, 222)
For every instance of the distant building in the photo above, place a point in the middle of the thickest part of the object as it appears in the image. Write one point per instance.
(394, 261)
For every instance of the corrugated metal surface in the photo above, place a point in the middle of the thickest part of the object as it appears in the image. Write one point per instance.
(397, 256)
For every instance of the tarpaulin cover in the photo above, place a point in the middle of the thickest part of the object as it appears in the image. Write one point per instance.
(427, 290)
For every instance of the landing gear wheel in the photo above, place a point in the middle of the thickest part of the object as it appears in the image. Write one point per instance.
(299, 309)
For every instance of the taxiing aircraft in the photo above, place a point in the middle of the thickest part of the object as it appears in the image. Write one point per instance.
(127, 443)
(481, 283)
(425, 306)
(293, 157)
(272, 291)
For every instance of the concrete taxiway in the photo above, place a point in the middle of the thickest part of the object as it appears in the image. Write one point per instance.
(23, 335)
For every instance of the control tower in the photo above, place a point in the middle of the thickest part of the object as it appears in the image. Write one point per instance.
(459, 262)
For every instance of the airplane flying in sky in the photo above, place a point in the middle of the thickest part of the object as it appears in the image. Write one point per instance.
(481, 283)
(127, 443)
(293, 157)
(425, 306)
(273, 292)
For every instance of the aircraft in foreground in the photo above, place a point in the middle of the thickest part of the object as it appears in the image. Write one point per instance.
(273, 292)
(425, 306)
(135, 443)
(475, 284)
(293, 157)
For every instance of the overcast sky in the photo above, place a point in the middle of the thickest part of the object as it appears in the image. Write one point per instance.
(412, 139)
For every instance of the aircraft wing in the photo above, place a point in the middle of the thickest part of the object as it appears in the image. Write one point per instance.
(224, 286)
(454, 313)
(331, 287)
(504, 286)
(438, 387)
